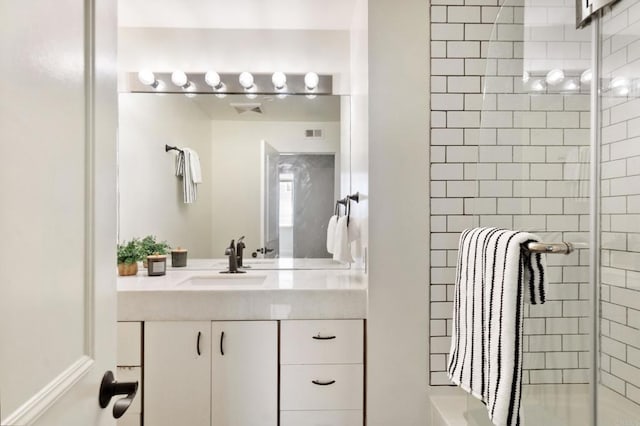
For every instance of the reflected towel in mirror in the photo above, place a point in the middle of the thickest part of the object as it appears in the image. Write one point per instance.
(188, 167)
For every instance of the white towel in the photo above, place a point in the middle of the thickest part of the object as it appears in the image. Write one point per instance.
(341, 250)
(188, 167)
(196, 170)
(331, 233)
(494, 279)
(355, 241)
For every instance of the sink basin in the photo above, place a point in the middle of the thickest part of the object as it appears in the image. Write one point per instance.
(225, 280)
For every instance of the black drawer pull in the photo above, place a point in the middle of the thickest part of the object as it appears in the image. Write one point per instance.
(319, 383)
(319, 337)
(221, 343)
(198, 343)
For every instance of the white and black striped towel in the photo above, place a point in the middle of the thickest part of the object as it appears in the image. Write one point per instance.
(494, 278)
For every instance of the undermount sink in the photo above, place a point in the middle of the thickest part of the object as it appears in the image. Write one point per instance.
(225, 280)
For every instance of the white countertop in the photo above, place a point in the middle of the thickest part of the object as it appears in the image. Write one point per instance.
(262, 264)
(256, 295)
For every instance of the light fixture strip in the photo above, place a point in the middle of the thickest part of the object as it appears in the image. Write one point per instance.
(263, 84)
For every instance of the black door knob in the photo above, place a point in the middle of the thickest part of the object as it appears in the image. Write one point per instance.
(110, 388)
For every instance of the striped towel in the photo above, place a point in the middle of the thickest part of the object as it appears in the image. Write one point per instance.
(188, 167)
(495, 277)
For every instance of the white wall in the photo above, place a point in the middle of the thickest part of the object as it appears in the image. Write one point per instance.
(236, 167)
(292, 51)
(397, 325)
(359, 120)
(149, 192)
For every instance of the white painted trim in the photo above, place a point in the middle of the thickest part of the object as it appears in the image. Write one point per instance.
(263, 195)
(38, 404)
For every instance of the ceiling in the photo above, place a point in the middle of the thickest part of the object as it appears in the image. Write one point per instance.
(291, 108)
(237, 14)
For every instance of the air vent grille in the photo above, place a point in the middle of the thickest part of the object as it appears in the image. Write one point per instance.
(313, 134)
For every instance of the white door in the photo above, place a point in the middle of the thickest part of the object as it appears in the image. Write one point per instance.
(57, 210)
(270, 201)
(244, 375)
(177, 373)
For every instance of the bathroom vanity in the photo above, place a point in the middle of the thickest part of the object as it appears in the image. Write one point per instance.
(269, 347)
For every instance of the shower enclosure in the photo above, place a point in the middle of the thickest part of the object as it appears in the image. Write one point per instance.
(557, 153)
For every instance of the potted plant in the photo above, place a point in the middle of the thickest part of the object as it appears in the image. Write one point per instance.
(128, 255)
(149, 247)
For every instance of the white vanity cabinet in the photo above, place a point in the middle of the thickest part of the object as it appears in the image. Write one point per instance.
(244, 376)
(129, 367)
(203, 373)
(322, 373)
(177, 373)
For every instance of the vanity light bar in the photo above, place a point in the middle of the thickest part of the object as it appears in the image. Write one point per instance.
(230, 84)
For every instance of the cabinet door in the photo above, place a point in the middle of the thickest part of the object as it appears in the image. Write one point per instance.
(177, 373)
(244, 384)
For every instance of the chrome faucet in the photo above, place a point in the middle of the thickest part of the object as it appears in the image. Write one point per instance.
(233, 259)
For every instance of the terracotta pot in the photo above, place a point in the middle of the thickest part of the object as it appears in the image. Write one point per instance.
(125, 269)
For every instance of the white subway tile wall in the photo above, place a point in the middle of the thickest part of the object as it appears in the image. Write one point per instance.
(504, 157)
(620, 293)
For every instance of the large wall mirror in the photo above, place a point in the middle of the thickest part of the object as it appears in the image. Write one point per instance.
(272, 169)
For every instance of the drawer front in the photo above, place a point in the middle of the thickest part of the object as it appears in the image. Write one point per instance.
(299, 392)
(322, 342)
(129, 343)
(132, 374)
(321, 418)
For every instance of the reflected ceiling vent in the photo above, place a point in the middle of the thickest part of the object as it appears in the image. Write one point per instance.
(313, 134)
(244, 108)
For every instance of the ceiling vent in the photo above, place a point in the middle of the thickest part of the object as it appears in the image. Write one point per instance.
(314, 134)
(244, 108)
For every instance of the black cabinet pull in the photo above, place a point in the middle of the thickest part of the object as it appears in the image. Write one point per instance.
(319, 337)
(110, 388)
(198, 343)
(221, 343)
(319, 383)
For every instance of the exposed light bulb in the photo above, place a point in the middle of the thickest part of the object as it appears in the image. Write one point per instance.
(525, 76)
(147, 78)
(586, 76)
(571, 85)
(620, 86)
(212, 78)
(311, 80)
(555, 76)
(179, 78)
(279, 80)
(246, 80)
(537, 86)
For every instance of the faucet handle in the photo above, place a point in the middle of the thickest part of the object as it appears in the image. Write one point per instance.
(231, 249)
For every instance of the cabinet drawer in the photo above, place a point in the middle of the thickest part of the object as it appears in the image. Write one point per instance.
(322, 342)
(129, 343)
(132, 374)
(299, 392)
(321, 418)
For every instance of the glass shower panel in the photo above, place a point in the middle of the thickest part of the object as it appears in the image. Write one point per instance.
(619, 369)
(532, 174)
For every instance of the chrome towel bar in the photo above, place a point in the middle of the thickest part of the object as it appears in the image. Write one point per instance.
(553, 248)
